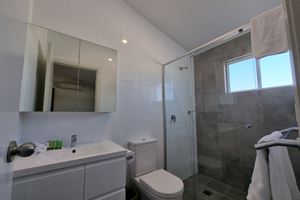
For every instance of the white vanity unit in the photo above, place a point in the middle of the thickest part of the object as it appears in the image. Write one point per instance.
(87, 172)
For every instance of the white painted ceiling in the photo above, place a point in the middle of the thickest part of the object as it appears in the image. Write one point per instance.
(192, 23)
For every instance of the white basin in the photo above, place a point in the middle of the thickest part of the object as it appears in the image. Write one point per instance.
(67, 157)
(78, 152)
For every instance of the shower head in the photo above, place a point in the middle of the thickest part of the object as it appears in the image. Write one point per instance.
(182, 68)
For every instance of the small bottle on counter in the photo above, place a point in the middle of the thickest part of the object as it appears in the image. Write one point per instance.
(54, 144)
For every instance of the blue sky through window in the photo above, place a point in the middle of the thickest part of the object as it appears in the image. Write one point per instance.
(242, 75)
(276, 70)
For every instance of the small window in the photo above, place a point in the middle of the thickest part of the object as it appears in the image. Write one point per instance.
(242, 75)
(276, 70)
(247, 73)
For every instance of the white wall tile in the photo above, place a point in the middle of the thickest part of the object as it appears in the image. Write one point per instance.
(122, 135)
(9, 129)
(128, 64)
(102, 122)
(50, 14)
(151, 105)
(71, 122)
(151, 72)
(12, 46)
(83, 137)
(82, 18)
(39, 123)
(109, 23)
(128, 104)
(131, 25)
(13, 22)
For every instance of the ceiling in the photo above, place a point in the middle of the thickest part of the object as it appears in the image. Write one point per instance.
(192, 23)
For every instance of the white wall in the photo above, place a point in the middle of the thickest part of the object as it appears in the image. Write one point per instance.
(139, 87)
(13, 14)
(35, 37)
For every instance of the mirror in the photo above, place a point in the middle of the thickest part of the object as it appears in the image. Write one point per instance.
(97, 71)
(65, 74)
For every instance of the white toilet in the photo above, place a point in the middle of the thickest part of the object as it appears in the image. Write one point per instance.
(153, 183)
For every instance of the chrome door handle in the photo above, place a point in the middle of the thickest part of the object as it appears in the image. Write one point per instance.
(173, 118)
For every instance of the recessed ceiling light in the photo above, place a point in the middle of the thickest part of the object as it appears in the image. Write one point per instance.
(110, 59)
(124, 41)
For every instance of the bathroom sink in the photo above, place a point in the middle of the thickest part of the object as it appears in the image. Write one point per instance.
(67, 157)
(78, 152)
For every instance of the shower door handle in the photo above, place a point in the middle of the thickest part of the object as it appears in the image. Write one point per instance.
(173, 118)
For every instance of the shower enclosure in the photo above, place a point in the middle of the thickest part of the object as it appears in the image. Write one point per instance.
(180, 121)
(210, 132)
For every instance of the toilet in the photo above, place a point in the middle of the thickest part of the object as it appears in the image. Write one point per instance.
(153, 183)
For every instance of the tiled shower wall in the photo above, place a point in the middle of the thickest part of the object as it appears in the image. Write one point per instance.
(225, 140)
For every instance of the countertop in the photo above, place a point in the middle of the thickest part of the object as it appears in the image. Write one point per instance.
(63, 158)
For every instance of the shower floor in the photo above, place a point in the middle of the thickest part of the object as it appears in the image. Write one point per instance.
(210, 189)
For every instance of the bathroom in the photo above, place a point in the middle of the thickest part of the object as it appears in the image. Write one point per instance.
(170, 97)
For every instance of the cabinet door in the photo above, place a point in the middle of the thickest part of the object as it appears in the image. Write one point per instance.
(56, 185)
(118, 195)
(104, 177)
(97, 72)
(65, 48)
(64, 61)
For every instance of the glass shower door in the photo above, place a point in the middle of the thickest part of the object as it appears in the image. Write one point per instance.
(180, 129)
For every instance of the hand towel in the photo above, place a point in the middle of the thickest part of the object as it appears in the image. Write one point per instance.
(40, 148)
(282, 177)
(260, 187)
(273, 176)
(268, 33)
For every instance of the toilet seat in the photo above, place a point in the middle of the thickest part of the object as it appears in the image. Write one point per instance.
(162, 184)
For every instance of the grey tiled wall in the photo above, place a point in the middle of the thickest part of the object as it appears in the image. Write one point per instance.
(225, 143)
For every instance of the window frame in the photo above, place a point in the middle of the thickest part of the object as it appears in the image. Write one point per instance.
(258, 74)
(236, 60)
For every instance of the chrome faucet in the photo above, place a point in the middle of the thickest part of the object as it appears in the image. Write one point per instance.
(73, 140)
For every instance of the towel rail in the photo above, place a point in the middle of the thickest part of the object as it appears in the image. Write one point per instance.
(282, 141)
(288, 131)
(279, 142)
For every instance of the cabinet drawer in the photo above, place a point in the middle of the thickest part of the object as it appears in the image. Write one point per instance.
(59, 185)
(104, 177)
(118, 195)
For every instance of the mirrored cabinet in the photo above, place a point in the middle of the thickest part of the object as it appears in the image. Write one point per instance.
(66, 74)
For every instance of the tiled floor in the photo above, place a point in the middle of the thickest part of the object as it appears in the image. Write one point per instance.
(210, 189)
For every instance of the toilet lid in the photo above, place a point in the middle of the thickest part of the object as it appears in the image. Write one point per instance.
(162, 184)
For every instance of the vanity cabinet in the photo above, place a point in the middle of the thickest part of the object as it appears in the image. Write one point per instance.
(102, 180)
(103, 177)
(118, 195)
(59, 185)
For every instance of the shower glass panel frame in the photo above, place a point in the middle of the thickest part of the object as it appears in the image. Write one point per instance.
(180, 121)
